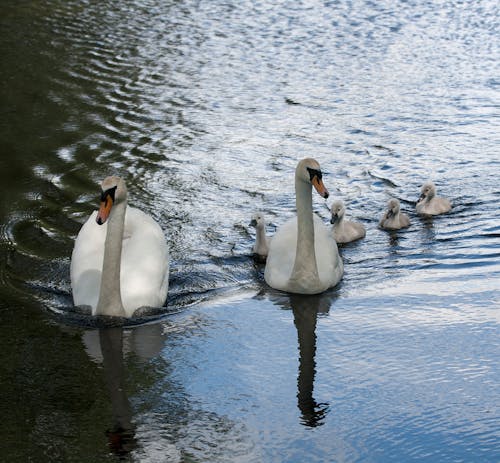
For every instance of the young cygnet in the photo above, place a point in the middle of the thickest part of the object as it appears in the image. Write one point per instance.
(344, 231)
(429, 203)
(261, 246)
(393, 219)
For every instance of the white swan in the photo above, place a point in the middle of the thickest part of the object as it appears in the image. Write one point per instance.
(303, 256)
(261, 246)
(429, 203)
(393, 218)
(120, 264)
(344, 231)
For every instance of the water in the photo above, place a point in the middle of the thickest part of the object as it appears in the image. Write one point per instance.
(205, 108)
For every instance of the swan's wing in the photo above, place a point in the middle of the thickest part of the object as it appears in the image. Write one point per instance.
(444, 205)
(283, 248)
(404, 220)
(281, 256)
(86, 262)
(330, 266)
(145, 262)
(356, 230)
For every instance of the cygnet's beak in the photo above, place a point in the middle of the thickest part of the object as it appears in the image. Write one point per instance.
(421, 197)
(320, 187)
(253, 223)
(390, 213)
(334, 218)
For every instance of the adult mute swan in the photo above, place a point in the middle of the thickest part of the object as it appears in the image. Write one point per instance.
(429, 203)
(303, 256)
(393, 218)
(261, 246)
(344, 231)
(120, 258)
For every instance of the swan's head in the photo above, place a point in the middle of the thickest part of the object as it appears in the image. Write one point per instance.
(258, 221)
(337, 210)
(309, 171)
(427, 192)
(393, 207)
(114, 191)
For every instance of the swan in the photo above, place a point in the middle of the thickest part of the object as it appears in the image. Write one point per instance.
(303, 257)
(393, 218)
(344, 231)
(121, 263)
(429, 203)
(261, 246)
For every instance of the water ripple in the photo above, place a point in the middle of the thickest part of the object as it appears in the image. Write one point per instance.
(204, 108)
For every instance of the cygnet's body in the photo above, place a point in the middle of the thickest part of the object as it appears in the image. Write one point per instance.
(429, 203)
(261, 246)
(344, 231)
(393, 218)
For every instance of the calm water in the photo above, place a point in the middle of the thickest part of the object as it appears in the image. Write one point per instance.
(205, 107)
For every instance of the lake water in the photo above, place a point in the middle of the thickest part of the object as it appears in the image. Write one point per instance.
(204, 108)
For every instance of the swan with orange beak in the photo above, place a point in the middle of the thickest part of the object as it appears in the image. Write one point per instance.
(303, 257)
(120, 258)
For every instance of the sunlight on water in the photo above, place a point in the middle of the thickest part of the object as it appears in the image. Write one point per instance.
(204, 108)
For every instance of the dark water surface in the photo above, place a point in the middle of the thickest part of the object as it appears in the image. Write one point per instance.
(205, 107)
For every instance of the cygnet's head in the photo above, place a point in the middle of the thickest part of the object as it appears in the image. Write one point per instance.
(114, 191)
(393, 207)
(337, 210)
(258, 221)
(428, 191)
(309, 171)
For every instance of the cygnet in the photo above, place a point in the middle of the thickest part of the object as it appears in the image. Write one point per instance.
(393, 218)
(429, 203)
(344, 231)
(261, 246)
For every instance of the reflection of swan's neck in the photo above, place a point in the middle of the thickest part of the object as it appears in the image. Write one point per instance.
(110, 301)
(121, 437)
(305, 316)
(305, 270)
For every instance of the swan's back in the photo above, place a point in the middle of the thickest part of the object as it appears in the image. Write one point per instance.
(282, 251)
(144, 262)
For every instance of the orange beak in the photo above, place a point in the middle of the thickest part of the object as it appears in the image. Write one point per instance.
(104, 210)
(320, 187)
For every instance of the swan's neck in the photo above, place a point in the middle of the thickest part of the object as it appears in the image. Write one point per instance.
(339, 225)
(305, 271)
(260, 238)
(110, 300)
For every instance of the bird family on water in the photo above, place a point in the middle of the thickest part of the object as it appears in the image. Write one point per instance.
(120, 261)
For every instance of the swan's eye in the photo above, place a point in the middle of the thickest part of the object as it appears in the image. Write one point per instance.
(314, 173)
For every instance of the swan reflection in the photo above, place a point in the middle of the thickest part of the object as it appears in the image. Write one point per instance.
(305, 313)
(108, 347)
(121, 438)
(305, 310)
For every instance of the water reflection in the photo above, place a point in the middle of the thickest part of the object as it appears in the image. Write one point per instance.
(121, 437)
(305, 310)
(305, 314)
(393, 239)
(190, 101)
(109, 346)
